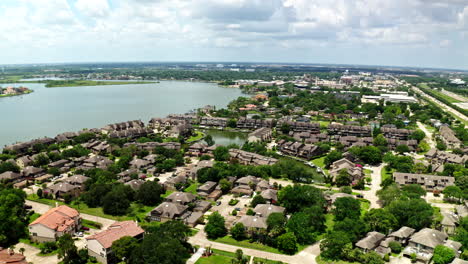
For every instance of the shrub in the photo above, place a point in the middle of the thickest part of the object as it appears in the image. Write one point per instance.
(395, 247)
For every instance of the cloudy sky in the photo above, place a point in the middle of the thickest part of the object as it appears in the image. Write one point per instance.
(429, 33)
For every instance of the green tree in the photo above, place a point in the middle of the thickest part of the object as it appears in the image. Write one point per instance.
(372, 258)
(287, 243)
(209, 140)
(238, 232)
(380, 220)
(346, 207)
(295, 198)
(276, 220)
(354, 228)
(150, 193)
(41, 160)
(415, 213)
(413, 190)
(443, 255)
(453, 193)
(12, 215)
(225, 185)
(389, 194)
(67, 251)
(331, 157)
(395, 247)
(306, 225)
(221, 153)
(343, 178)
(215, 227)
(115, 203)
(332, 245)
(380, 141)
(418, 134)
(402, 149)
(258, 199)
(124, 247)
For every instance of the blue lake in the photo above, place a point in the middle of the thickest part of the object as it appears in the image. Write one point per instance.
(49, 111)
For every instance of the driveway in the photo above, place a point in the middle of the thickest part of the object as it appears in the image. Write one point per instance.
(376, 176)
(31, 255)
(428, 133)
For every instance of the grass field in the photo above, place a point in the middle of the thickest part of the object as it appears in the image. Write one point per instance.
(258, 246)
(319, 260)
(136, 211)
(218, 257)
(446, 97)
(198, 135)
(318, 177)
(192, 188)
(384, 174)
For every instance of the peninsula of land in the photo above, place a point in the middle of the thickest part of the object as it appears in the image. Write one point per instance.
(12, 91)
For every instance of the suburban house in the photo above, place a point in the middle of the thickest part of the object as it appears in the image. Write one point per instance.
(396, 133)
(427, 181)
(354, 170)
(60, 189)
(253, 223)
(77, 180)
(298, 149)
(423, 243)
(370, 242)
(448, 137)
(100, 245)
(168, 211)
(135, 184)
(173, 182)
(264, 210)
(349, 130)
(32, 172)
(402, 235)
(7, 256)
(206, 188)
(260, 135)
(449, 222)
(24, 161)
(181, 198)
(9, 176)
(55, 223)
(270, 195)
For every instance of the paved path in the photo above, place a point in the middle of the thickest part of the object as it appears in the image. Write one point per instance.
(428, 133)
(371, 195)
(31, 255)
(305, 256)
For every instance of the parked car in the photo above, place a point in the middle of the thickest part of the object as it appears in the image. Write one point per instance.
(85, 228)
(218, 203)
(26, 206)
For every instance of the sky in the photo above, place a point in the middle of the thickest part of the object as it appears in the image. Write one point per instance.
(419, 33)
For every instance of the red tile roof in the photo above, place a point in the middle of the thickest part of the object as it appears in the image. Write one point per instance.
(116, 231)
(58, 218)
(7, 258)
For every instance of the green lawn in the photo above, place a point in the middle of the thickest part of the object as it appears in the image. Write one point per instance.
(446, 97)
(36, 245)
(319, 260)
(192, 188)
(34, 217)
(385, 174)
(136, 210)
(367, 172)
(255, 245)
(365, 205)
(91, 224)
(198, 135)
(218, 257)
(320, 162)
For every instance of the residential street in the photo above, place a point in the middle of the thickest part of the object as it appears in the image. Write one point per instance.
(305, 256)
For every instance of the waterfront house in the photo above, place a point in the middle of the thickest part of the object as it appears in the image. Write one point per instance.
(260, 135)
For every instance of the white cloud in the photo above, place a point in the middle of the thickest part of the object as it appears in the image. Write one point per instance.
(93, 8)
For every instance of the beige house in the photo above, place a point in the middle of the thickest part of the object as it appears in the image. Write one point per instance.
(55, 223)
(99, 245)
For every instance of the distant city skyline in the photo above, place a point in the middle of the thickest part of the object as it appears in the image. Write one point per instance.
(399, 33)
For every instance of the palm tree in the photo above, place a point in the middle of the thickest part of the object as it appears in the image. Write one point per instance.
(22, 250)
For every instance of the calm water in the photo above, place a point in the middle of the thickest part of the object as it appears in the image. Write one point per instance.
(49, 111)
(227, 137)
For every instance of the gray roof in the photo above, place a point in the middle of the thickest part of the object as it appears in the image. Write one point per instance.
(270, 194)
(265, 210)
(135, 184)
(63, 187)
(371, 241)
(170, 210)
(78, 179)
(9, 175)
(250, 221)
(429, 237)
(403, 232)
(181, 197)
